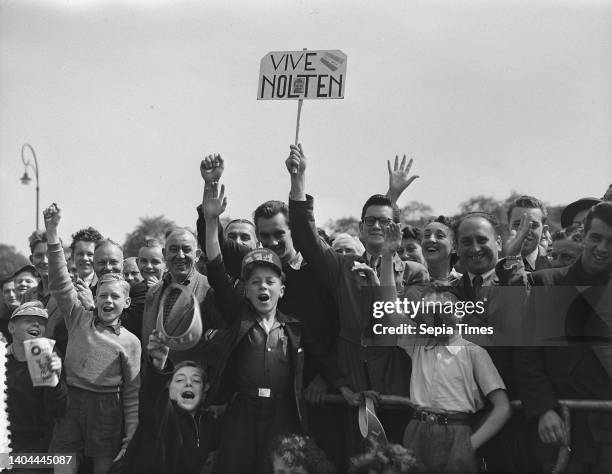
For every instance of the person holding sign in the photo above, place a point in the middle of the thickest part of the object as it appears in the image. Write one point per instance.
(32, 410)
(369, 365)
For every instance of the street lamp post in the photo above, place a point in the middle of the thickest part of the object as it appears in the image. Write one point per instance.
(25, 179)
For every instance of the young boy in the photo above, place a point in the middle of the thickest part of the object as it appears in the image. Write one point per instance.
(261, 369)
(175, 434)
(102, 364)
(449, 378)
(31, 410)
(25, 279)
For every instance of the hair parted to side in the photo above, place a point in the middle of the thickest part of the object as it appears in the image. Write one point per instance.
(270, 209)
(89, 234)
(376, 200)
(601, 211)
(37, 237)
(114, 278)
(527, 202)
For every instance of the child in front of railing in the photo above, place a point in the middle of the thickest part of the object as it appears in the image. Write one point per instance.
(450, 378)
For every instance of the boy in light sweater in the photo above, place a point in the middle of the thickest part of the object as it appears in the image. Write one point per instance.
(102, 364)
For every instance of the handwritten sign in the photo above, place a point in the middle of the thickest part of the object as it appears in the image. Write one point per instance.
(290, 75)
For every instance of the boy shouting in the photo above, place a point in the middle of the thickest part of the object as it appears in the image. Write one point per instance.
(102, 364)
(262, 365)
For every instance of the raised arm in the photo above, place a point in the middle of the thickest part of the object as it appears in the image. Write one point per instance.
(324, 261)
(516, 239)
(226, 299)
(399, 178)
(60, 283)
(211, 169)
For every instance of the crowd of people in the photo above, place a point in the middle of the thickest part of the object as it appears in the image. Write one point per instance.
(253, 347)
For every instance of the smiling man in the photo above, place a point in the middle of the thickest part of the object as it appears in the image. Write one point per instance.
(478, 246)
(82, 247)
(574, 309)
(181, 253)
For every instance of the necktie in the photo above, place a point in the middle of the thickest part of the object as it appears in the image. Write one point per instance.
(476, 286)
(374, 264)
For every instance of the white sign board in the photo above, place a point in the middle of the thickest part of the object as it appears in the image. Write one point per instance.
(290, 75)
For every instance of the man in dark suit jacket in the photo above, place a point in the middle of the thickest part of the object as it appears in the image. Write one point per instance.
(570, 352)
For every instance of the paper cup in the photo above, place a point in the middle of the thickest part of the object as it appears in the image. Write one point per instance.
(38, 352)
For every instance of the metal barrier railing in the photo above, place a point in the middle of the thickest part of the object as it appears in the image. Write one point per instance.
(565, 406)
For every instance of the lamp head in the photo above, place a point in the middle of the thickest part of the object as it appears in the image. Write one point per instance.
(25, 179)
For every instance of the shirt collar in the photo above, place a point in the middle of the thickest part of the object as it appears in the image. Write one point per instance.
(114, 326)
(275, 325)
(487, 277)
(168, 278)
(91, 280)
(296, 261)
(532, 258)
(453, 346)
(455, 343)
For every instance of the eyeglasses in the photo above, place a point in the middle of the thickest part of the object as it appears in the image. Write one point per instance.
(382, 221)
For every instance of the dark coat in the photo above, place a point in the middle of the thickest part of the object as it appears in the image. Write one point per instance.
(168, 439)
(240, 317)
(567, 358)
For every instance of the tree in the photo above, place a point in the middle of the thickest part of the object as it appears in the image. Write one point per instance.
(483, 204)
(415, 213)
(349, 225)
(149, 228)
(10, 260)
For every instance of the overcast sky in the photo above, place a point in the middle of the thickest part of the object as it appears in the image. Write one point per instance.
(122, 99)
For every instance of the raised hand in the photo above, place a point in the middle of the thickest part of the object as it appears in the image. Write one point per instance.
(393, 238)
(399, 177)
(516, 237)
(158, 351)
(52, 216)
(214, 203)
(85, 295)
(150, 280)
(366, 272)
(211, 168)
(296, 162)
